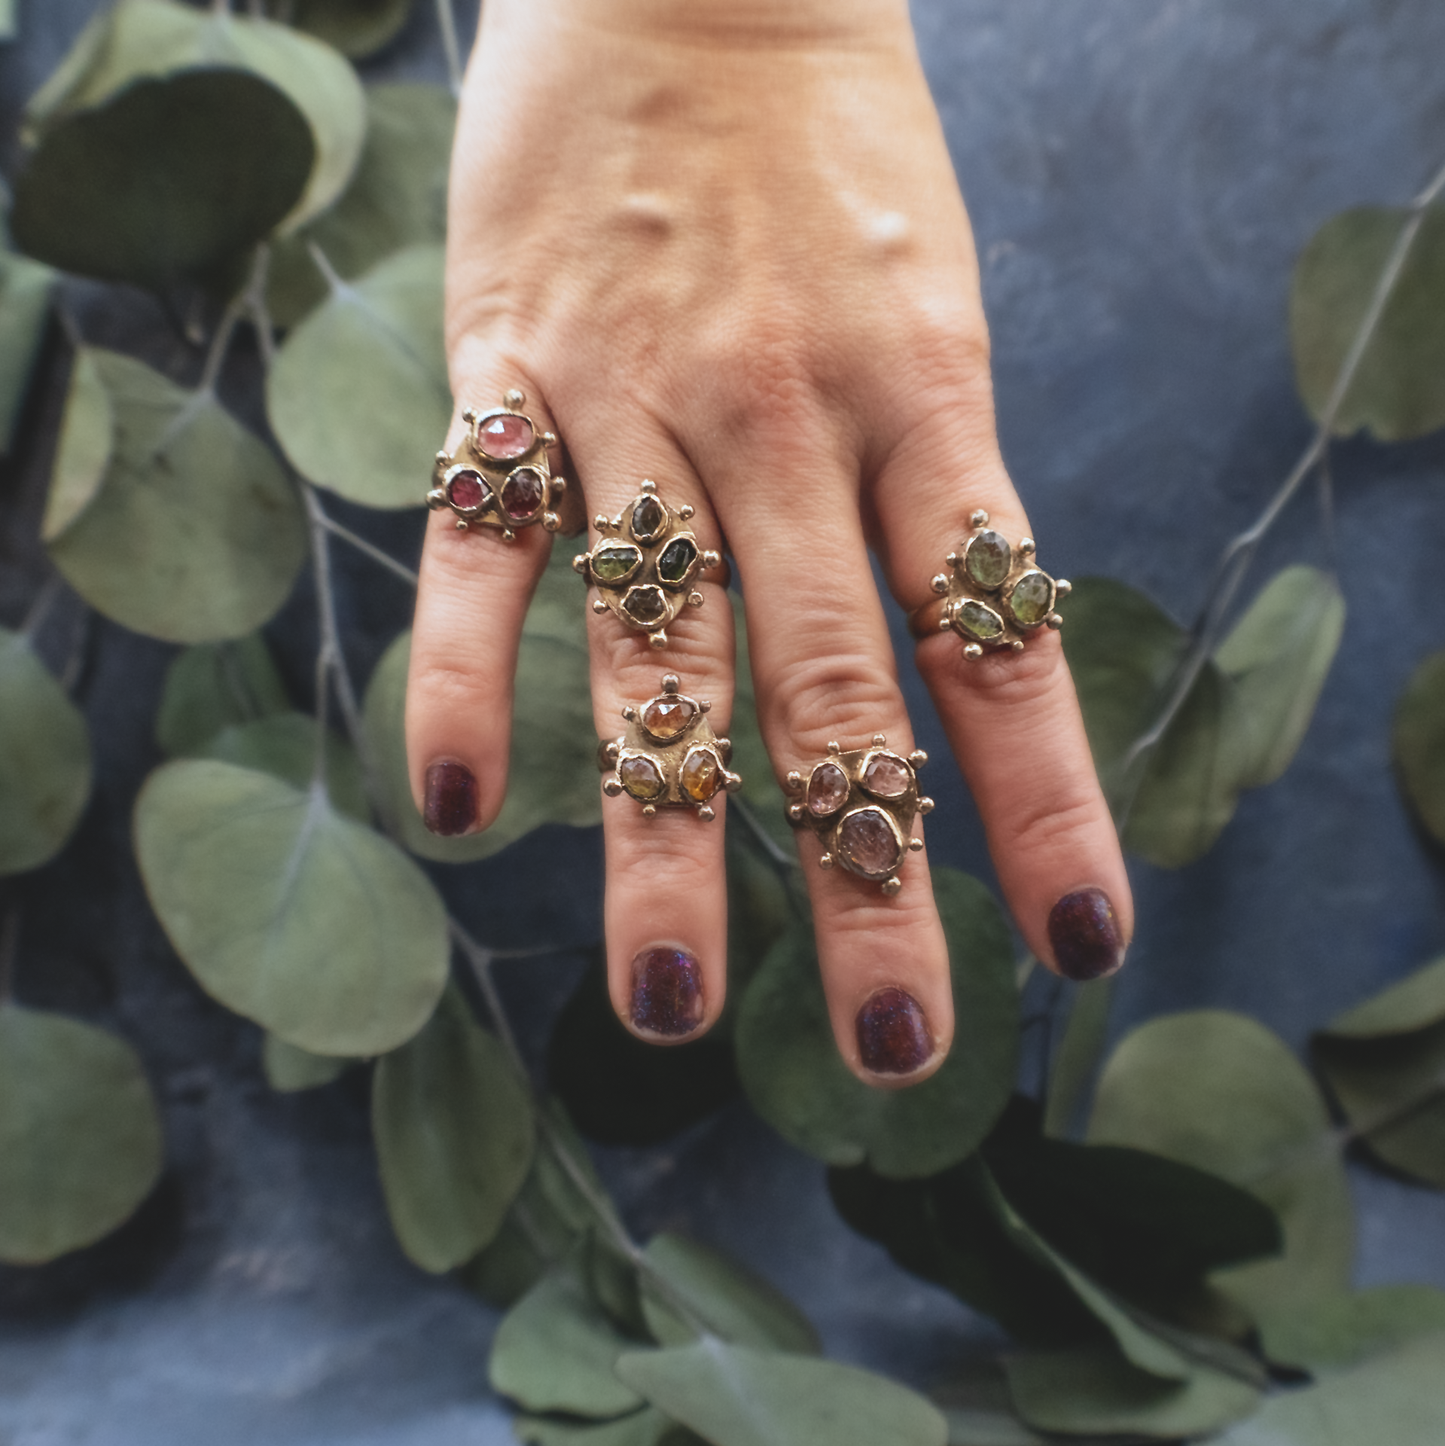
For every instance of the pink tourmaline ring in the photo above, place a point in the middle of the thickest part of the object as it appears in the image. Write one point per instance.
(861, 804)
(499, 476)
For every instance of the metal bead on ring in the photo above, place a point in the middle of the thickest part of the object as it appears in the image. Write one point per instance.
(861, 804)
(499, 476)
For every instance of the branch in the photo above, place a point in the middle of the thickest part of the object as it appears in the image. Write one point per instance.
(447, 23)
(370, 549)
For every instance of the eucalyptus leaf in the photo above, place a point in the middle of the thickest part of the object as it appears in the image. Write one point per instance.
(794, 1077)
(397, 198)
(284, 745)
(735, 1396)
(555, 1351)
(979, 1410)
(210, 686)
(1219, 1091)
(287, 912)
(1398, 391)
(290, 1069)
(357, 28)
(359, 395)
(1418, 741)
(1080, 1053)
(173, 179)
(85, 446)
(25, 288)
(454, 1136)
(195, 533)
(730, 1300)
(45, 763)
(645, 1427)
(80, 1136)
(9, 23)
(1345, 1330)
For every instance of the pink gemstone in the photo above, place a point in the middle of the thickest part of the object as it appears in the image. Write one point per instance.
(868, 845)
(523, 492)
(504, 436)
(887, 776)
(467, 489)
(827, 790)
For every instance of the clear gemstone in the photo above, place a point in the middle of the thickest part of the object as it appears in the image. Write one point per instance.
(868, 844)
(979, 622)
(648, 518)
(467, 489)
(1032, 599)
(700, 775)
(988, 559)
(645, 605)
(505, 436)
(523, 493)
(641, 777)
(615, 561)
(827, 790)
(886, 775)
(677, 559)
(667, 718)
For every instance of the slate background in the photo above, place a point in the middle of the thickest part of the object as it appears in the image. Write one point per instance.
(1140, 177)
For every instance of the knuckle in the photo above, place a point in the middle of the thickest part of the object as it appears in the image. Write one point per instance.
(842, 697)
(441, 686)
(1050, 821)
(1018, 683)
(699, 652)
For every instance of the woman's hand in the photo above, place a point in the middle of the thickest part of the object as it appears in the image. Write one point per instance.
(720, 244)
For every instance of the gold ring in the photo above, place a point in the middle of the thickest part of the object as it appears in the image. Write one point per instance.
(645, 563)
(861, 805)
(993, 595)
(499, 476)
(669, 757)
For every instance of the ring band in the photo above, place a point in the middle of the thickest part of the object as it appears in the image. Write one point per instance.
(861, 804)
(993, 596)
(669, 757)
(499, 476)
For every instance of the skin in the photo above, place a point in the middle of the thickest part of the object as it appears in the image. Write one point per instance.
(721, 245)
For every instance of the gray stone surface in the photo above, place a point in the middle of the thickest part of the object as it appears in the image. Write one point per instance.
(1140, 177)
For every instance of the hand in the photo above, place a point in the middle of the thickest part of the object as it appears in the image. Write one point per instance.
(721, 245)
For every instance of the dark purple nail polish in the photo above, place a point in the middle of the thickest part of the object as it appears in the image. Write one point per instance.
(1085, 935)
(666, 991)
(893, 1035)
(451, 799)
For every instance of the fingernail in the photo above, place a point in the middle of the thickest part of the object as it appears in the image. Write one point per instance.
(893, 1035)
(666, 991)
(451, 799)
(1085, 935)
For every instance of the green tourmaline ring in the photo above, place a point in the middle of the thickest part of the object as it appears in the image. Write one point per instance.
(993, 595)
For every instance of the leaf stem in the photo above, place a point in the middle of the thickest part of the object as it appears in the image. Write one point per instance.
(447, 24)
(370, 549)
(40, 609)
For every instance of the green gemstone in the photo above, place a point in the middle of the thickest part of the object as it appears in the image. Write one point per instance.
(614, 562)
(988, 559)
(979, 622)
(677, 559)
(1032, 599)
(648, 518)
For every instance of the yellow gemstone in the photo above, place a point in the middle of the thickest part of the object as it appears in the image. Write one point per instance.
(667, 718)
(641, 778)
(700, 775)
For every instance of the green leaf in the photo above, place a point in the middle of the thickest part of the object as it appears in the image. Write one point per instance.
(1279, 655)
(212, 685)
(25, 288)
(359, 396)
(289, 913)
(736, 1396)
(794, 1077)
(397, 198)
(730, 1300)
(289, 1069)
(9, 25)
(454, 1136)
(80, 1137)
(357, 28)
(1219, 1091)
(555, 1351)
(1385, 1064)
(553, 774)
(1419, 743)
(173, 179)
(45, 763)
(85, 446)
(1095, 1391)
(1345, 1330)
(638, 1428)
(284, 745)
(1080, 1052)
(976, 1404)
(1399, 390)
(195, 532)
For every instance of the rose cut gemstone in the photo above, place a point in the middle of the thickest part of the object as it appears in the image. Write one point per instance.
(645, 605)
(886, 775)
(467, 489)
(1032, 599)
(988, 559)
(827, 790)
(868, 845)
(667, 718)
(700, 775)
(648, 518)
(505, 436)
(978, 621)
(677, 560)
(615, 561)
(641, 778)
(523, 493)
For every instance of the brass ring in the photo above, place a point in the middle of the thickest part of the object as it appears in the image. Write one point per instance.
(499, 476)
(645, 564)
(669, 757)
(861, 805)
(993, 596)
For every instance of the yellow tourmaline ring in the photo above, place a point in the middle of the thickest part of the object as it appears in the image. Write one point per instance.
(669, 757)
